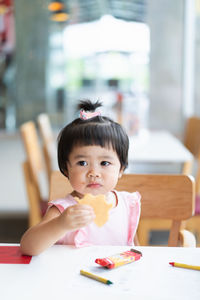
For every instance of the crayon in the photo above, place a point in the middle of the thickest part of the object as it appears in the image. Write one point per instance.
(178, 265)
(95, 277)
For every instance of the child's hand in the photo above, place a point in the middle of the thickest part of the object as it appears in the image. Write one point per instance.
(77, 216)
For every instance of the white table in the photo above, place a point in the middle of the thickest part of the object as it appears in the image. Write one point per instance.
(55, 273)
(158, 147)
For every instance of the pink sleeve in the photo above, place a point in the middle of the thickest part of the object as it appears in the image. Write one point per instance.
(62, 204)
(134, 216)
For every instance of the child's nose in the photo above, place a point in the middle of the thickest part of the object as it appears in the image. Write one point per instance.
(93, 173)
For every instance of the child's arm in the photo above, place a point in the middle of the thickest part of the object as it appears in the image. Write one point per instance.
(53, 226)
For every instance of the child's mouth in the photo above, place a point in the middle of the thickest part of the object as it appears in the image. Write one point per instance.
(94, 185)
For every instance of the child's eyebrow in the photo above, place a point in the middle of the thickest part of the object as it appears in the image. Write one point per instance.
(106, 157)
(78, 156)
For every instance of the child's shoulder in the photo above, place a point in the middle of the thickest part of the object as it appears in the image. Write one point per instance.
(63, 203)
(134, 197)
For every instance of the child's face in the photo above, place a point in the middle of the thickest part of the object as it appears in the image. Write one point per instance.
(93, 169)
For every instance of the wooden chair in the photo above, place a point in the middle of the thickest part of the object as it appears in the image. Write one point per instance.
(163, 196)
(149, 225)
(34, 173)
(48, 143)
(192, 142)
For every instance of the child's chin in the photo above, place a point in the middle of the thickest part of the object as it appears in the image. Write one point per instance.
(95, 192)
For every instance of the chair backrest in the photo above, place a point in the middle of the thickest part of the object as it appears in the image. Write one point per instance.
(192, 136)
(33, 196)
(34, 171)
(32, 149)
(59, 186)
(163, 196)
(45, 127)
(48, 141)
(192, 142)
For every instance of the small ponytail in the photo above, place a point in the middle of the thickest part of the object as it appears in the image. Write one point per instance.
(87, 105)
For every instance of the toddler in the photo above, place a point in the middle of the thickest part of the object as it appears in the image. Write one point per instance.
(92, 154)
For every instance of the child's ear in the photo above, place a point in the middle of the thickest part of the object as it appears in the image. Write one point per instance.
(121, 173)
(66, 174)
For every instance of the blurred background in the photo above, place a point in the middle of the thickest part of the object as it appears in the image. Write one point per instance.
(141, 56)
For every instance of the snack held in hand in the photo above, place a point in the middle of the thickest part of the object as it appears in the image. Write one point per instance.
(100, 206)
(120, 259)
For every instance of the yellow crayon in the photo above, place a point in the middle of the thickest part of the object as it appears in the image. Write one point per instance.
(174, 264)
(95, 277)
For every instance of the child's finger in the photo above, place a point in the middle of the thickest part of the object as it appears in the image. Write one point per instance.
(81, 208)
(84, 221)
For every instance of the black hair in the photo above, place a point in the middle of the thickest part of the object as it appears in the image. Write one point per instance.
(99, 130)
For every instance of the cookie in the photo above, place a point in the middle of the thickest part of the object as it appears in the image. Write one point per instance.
(100, 206)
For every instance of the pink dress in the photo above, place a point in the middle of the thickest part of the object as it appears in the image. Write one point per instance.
(119, 230)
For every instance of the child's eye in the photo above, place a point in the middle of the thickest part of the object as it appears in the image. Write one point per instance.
(105, 163)
(82, 163)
